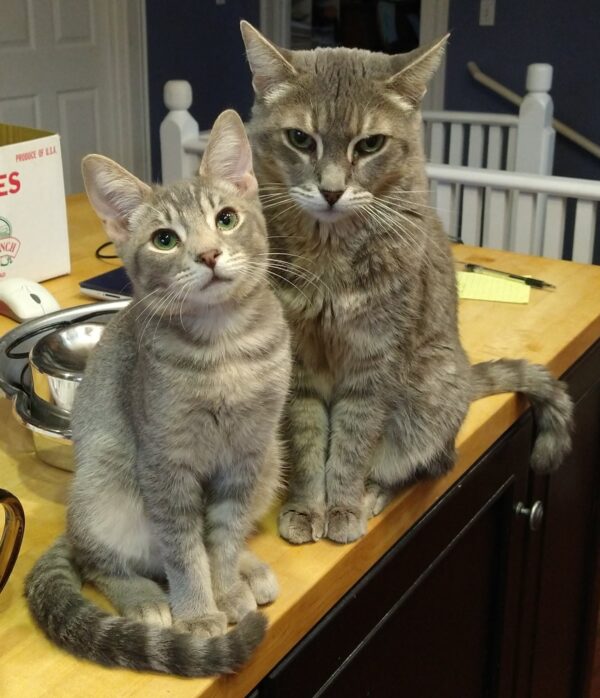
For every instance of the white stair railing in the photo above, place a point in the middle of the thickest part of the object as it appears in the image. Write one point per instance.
(559, 126)
(524, 143)
(532, 214)
(470, 138)
(493, 202)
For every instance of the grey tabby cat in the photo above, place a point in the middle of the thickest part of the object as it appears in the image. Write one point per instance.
(175, 428)
(381, 383)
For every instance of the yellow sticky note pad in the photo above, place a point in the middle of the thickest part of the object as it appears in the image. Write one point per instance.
(481, 287)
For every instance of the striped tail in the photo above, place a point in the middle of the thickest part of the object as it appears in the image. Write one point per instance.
(550, 401)
(53, 590)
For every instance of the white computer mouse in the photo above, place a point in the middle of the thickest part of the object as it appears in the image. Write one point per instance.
(22, 299)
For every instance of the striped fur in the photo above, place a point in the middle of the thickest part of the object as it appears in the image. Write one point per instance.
(175, 431)
(381, 383)
(552, 407)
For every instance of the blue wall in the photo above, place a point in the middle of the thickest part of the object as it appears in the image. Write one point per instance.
(564, 33)
(198, 41)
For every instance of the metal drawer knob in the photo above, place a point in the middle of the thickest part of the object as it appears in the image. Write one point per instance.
(535, 514)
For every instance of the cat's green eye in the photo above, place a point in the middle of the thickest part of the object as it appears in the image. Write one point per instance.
(301, 140)
(227, 219)
(369, 145)
(165, 239)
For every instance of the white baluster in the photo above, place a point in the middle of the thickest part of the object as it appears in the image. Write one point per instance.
(511, 149)
(494, 150)
(554, 231)
(470, 224)
(583, 234)
(455, 154)
(438, 140)
(475, 154)
(495, 219)
(427, 138)
(443, 202)
(522, 207)
(177, 128)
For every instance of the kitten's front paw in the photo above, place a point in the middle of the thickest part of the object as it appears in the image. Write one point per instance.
(345, 524)
(377, 498)
(299, 524)
(236, 602)
(204, 626)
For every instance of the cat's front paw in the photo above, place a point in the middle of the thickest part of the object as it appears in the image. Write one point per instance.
(208, 625)
(298, 523)
(260, 577)
(151, 613)
(345, 524)
(236, 602)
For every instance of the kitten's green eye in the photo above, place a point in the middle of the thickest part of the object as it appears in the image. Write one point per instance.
(165, 239)
(301, 140)
(227, 219)
(370, 144)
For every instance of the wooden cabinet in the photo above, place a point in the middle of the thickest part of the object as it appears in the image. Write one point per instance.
(471, 602)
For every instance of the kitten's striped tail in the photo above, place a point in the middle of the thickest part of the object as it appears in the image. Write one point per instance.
(53, 590)
(550, 401)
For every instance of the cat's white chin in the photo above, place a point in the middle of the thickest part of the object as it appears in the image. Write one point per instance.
(216, 282)
(212, 291)
(215, 291)
(330, 215)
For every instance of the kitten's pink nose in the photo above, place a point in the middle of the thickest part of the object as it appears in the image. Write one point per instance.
(209, 258)
(331, 196)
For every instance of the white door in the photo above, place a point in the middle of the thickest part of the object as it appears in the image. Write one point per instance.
(68, 66)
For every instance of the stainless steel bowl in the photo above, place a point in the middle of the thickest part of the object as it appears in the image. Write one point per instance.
(49, 422)
(58, 361)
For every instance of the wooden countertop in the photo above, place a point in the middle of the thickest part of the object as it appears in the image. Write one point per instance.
(554, 329)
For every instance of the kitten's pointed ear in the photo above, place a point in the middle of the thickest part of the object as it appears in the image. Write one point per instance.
(415, 69)
(270, 65)
(114, 193)
(228, 155)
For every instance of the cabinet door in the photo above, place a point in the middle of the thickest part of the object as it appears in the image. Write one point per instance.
(566, 591)
(437, 615)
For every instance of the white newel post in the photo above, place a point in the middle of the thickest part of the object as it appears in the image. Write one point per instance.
(535, 154)
(177, 128)
(535, 135)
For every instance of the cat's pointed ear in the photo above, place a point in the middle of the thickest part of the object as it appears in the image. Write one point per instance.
(270, 65)
(415, 69)
(228, 155)
(114, 193)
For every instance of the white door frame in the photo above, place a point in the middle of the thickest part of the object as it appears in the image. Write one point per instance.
(434, 24)
(130, 83)
(275, 18)
(276, 21)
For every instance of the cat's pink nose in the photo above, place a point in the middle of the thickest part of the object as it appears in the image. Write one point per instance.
(331, 196)
(209, 258)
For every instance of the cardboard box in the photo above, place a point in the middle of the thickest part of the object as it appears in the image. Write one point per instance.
(34, 241)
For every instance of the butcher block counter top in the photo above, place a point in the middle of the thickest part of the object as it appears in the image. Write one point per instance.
(554, 329)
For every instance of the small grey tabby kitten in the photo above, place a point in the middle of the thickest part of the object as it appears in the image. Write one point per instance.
(381, 383)
(175, 428)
